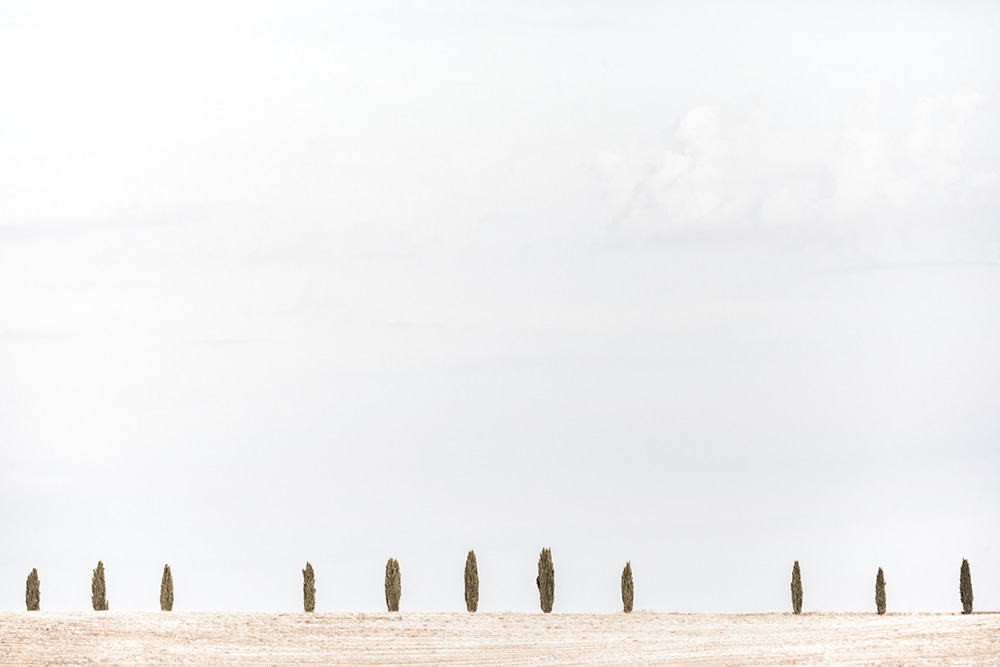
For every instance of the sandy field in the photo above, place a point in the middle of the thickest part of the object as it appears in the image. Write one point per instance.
(496, 638)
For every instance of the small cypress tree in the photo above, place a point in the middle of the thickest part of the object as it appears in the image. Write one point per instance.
(880, 592)
(546, 581)
(167, 590)
(627, 590)
(308, 588)
(796, 589)
(471, 582)
(32, 594)
(393, 584)
(965, 587)
(98, 594)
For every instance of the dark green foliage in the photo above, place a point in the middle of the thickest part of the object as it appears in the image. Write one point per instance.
(471, 582)
(965, 587)
(167, 590)
(796, 589)
(546, 581)
(880, 592)
(98, 594)
(32, 594)
(308, 588)
(393, 584)
(627, 589)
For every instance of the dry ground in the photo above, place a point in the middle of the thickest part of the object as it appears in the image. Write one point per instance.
(496, 638)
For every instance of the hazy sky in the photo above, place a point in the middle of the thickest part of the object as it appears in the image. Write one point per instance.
(706, 286)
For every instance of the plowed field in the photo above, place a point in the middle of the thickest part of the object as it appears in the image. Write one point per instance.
(496, 638)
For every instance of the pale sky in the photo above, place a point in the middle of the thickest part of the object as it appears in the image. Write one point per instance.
(706, 286)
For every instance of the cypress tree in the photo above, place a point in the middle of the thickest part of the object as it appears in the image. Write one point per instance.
(393, 584)
(627, 589)
(98, 594)
(308, 588)
(546, 581)
(471, 582)
(880, 592)
(965, 587)
(32, 594)
(167, 590)
(796, 589)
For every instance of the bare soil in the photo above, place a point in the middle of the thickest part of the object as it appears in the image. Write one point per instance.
(117, 637)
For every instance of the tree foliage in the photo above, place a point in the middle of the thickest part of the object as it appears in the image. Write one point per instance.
(627, 589)
(32, 592)
(167, 590)
(471, 582)
(308, 588)
(965, 587)
(98, 592)
(546, 581)
(796, 589)
(393, 584)
(880, 592)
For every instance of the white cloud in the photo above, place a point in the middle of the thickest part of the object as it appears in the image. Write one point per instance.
(719, 170)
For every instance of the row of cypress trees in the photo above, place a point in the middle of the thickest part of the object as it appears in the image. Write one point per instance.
(964, 589)
(545, 581)
(98, 590)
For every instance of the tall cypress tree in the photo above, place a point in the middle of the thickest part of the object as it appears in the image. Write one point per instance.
(627, 589)
(32, 591)
(965, 587)
(796, 589)
(393, 584)
(308, 588)
(880, 592)
(98, 593)
(546, 581)
(166, 590)
(471, 582)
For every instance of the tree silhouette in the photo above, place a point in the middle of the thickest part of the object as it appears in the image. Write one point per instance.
(167, 590)
(98, 594)
(308, 588)
(880, 592)
(471, 582)
(627, 589)
(546, 581)
(796, 589)
(392, 584)
(965, 587)
(32, 594)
